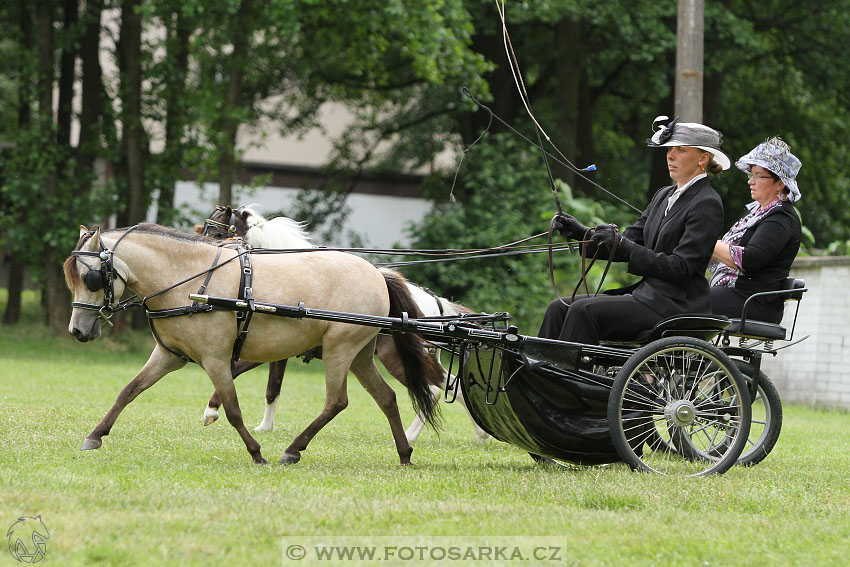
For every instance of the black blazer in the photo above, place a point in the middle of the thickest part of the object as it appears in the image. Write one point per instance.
(673, 251)
(770, 247)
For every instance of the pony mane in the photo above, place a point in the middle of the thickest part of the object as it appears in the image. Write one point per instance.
(72, 272)
(279, 232)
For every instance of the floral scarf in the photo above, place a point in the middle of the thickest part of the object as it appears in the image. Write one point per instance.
(724, 275)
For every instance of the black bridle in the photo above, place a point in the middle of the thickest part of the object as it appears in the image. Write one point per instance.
(217, 229)
(101, 278)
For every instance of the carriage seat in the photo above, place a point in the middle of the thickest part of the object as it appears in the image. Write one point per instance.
(703, 326)
(792, 289)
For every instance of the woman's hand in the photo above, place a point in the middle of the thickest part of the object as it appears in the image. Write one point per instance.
(722, 254)
(569, 226)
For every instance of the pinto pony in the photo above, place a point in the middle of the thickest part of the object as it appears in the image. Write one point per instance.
(163, 266)
(286, 233)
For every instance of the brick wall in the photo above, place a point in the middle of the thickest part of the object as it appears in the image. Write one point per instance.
(816, 372)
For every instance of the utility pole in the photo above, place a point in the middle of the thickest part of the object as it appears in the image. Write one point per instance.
(689, 60)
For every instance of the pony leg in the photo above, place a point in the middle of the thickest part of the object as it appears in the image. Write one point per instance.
(276, 370)
(370, 378)
(415, 428)
(211, 411)
(222, 379)
(336, 400)
(160, 363)
(480, 435)
(390, 358)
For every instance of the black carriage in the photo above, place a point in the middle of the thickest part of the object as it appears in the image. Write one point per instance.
(673, 401)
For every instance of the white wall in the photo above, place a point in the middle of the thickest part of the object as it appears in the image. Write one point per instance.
(381, 220)
(817, 371)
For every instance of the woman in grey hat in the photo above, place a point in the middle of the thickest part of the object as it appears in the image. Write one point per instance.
(756, 254)
(670, 246)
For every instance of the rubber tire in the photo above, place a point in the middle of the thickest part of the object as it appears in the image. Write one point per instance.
(633, 456)
(770, 435)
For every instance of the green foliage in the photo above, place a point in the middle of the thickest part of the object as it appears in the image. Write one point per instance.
(597, 72)
(507, 199)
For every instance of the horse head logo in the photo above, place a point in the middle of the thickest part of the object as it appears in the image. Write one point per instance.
(28, 539)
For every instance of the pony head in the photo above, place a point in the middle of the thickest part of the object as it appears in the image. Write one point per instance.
(95, 283)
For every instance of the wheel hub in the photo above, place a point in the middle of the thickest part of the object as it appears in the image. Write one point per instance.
(680, 412)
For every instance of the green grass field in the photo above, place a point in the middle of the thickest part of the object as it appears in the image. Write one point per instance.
(164, 490)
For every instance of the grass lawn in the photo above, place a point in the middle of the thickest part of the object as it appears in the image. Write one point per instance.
(164, 490)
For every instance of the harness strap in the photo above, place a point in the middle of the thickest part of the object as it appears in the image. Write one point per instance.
(436, 298)
(180, 311)
(246, 293)
(203, 288)
(158, 340)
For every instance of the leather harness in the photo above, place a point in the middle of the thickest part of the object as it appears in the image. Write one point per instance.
(243, 318)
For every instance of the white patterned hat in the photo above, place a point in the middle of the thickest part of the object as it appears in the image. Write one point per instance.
(774, 155)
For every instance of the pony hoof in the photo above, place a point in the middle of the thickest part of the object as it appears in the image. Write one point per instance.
(259, 460)
(288, 459)
(210, 415)
(90, 444)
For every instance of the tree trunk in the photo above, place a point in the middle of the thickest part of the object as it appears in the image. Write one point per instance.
(12, 315)
(16, 270)
(586, 153)
(230, 125)
(92, 105)
(66, 74)
(131, 50)
(56, 297)
(659, 175)
(506, 101)
(568, 70)
(178, 54)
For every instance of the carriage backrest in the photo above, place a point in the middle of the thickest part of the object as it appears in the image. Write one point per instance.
(791, 289)
(796, 286)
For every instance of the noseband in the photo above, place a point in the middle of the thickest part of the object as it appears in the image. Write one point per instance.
(104, 278)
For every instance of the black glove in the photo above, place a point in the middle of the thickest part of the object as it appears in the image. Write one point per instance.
(569, 227)
(607, 235)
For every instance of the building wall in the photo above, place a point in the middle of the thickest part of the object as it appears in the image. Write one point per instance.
(381, 220)
(816, 372)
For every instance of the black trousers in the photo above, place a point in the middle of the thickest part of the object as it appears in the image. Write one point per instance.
(727, 301)
(589, 319)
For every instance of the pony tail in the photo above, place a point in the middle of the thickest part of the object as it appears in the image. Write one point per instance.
(420, 368)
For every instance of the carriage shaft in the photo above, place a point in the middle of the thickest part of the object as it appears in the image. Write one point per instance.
(435, 330)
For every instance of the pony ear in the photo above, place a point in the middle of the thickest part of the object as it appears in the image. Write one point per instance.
(95, 239)
(83, 230)
(228, 211)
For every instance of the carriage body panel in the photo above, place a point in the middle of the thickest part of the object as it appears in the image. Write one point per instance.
(543, 408)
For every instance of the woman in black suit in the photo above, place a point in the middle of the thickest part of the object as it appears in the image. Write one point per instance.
(670, 246)
(757, 252)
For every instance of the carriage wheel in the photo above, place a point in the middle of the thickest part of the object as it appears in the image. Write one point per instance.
(679, 392)
(766, 417)
(766, 422)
